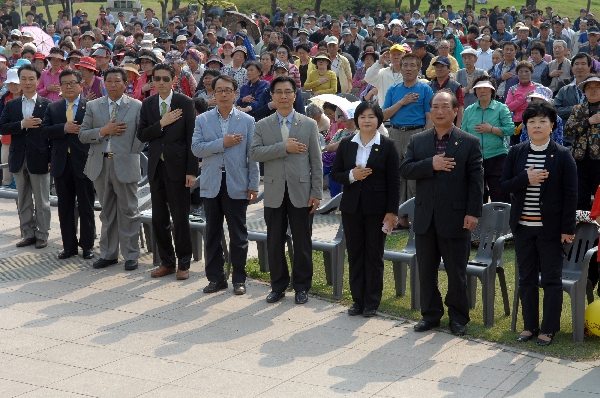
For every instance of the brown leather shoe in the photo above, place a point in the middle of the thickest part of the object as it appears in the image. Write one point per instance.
(183, 274)
(40, 244)
(162, 271)
(26, 242)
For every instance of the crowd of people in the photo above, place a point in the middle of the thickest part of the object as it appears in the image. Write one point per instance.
(454, 109)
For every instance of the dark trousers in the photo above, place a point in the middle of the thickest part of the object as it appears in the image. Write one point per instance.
(536, 253)
(492, 173)
(455, 253)
(588, 179)
(171, 200)
(365, 243)
(69, 188)
(300, 222)
(234, 211)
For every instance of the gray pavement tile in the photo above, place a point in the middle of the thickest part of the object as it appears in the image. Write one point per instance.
(496, 394)
(344, 378)
(321, 332)
(196, 354)
(52, 393)
(120, 340)
(10, 388)
(9, 298)
(424, 348)
(377, 362)
(5, 359)
(303, 390)
(101, 317)
(518, 375)
(469, 375)
(17, 343)
(79, 355)
(293, 348)
(12, 319)
(58, 328)
(309, 313)
(376, 325)
(92, 296)
(156, 327)
(467, 352)
(227, 382)
(411, 387)
(170, 390)
(48, 288)
(273, 366)
(96, 383)
(37, 372)
(199, 315)
(149, 368)
(138, 305)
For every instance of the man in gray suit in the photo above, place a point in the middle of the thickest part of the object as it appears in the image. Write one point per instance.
(229, 179)
(110, 126)
(288, 143)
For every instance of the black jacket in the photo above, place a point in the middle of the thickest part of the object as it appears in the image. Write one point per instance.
(174, 142)
(558, 194)
(53, 128)
(379, 193)
(25, 143)
(445, 197)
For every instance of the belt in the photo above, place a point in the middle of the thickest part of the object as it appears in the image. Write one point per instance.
(222, 169)
(108, 154)
(406, 128)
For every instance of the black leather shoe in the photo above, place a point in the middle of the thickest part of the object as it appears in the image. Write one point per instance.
(523, 337)
(239, 289)
(355, 310)
(543, 343)
(66, 254)
(424, 325)
(457, 329)
(301, 297)
(88, 254)
(369, 313)
(26, 242)
(130, 265)
(274, 297)
(103, 263)
(214, 287)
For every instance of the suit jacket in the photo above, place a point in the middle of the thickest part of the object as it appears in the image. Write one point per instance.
(53, 128)
(25, 143)
(302, 172)
(558, 193)
(174, 142)
(379, 193)
(242, 173)
(126, 147)
(445, 197)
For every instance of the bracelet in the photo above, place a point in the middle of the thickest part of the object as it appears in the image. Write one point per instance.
(492, 130)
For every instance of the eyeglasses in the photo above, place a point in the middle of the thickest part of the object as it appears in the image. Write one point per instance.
(281, 92)
(162, 41)
(165, 79)
(227, 91)
(444, 47)
(69, 84)
(282, 52)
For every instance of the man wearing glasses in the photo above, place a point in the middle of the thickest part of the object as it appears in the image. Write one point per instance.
(484, 54)
(61, 125)
(165, 40)
(229, 180)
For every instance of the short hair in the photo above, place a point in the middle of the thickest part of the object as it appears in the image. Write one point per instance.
(211, 72)
(510, 43)
(561, 42)
(330, 106)
(486, 78)
(412, 56)
(524, 64)
(538, 46)
(289, 52)
(28, 13)
(453, 98)
(582, 55)
(256, 64)
(303, 46)
(116, 70)
(70, 72)
(162, 66)
(313, 109)
(27, 50)
(473, 30)
(56, 50)
(31, 68)
(200, 105)
(227, 78)
(283, 79)
(363, 106)
(543, 109)
(271, 47)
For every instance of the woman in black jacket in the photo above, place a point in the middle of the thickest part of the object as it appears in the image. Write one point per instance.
(368, 167)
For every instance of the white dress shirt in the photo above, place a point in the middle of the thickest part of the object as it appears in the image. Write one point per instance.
(363, 151)
(484, 59)
(27, 106)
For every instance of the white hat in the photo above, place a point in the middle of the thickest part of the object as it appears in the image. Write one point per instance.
(469, 50)
(332, 40)
(180, 38)
(146, 44)
(12, 76)
(27, 34)
(485, 83)
(149, 37)
(15, 32)
(379, 26)
(589, 79)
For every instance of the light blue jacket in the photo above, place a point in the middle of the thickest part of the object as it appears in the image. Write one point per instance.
(242, 173)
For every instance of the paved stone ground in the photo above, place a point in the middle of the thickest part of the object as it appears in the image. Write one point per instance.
(67, 330)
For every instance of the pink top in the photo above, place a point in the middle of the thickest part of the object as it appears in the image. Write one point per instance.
(47, 79)
(516, 100)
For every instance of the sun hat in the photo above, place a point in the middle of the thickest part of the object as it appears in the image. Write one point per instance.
(87, 63)
(321, 56)
(484, 83)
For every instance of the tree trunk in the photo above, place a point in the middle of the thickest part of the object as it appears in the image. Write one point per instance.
(273, 9)
(163, 9)
(318, 6)
(589, 4)
(47, 7)
(176, 4)
(532, 4)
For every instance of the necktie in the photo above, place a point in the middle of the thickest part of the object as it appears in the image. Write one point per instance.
(113, 115)
(70, 117)
(285, 132)
(163, 110)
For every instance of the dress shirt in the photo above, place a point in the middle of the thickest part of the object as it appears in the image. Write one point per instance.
(166, 101)
(289, 118)
(484, 59)
(75, 107)
(363, 151)
(110, 108)
(224, 125)
(27, 106)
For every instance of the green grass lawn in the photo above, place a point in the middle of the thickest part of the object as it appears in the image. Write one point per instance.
(391, 304)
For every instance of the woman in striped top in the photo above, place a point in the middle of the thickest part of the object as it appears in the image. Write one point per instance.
(541, 177)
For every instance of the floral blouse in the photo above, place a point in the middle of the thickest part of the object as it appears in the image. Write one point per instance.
(586, 135)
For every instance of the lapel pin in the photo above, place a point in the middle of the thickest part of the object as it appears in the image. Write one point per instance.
(551, 156)
(237, 118)
(376, 149)
(295, 124)
(40, 105)
(456, 143)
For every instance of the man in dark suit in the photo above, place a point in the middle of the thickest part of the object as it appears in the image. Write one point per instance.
(266, 105)
(29, 158)
(167, 123)
(61, 125)
(446, 162)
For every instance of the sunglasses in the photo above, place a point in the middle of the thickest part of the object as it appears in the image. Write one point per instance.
(165, 79)
(163, 41)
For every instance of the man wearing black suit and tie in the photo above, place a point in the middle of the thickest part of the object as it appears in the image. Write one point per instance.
(29, 158)
(61, 125)
(167, 122)
(446, 162)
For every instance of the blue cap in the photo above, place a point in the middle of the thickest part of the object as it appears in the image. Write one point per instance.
(442, 60)
(420, 44)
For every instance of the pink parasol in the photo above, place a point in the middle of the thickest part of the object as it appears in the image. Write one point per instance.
(41, 39)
